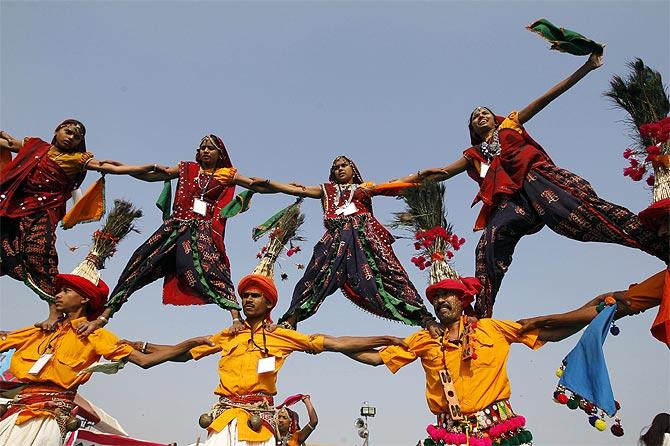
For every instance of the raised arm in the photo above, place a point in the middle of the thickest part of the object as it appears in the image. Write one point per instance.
(350, 344)
(10, 143)
(438, 173)
(306, 431)
(147, 355)
(594, 61)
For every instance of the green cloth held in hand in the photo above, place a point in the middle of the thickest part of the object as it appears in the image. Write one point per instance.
(237, 205)
(565, 40)
(164, 202)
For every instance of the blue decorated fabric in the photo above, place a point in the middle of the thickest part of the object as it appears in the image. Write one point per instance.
(586, 370)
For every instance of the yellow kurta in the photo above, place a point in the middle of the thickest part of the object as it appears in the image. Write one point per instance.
(479, 382)
(238, 368)
(71, 353)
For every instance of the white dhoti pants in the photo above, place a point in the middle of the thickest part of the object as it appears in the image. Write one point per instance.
(42, 431)
(228, 437)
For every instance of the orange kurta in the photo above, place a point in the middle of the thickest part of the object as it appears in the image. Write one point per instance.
(71, 355)
(654, 291)
(479, 382)
(238, 368)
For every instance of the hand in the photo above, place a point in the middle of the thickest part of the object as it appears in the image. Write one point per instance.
(203, 340)
(137, 345)
(236, 327)
(394, 340)
(529, 324)
(305, 398)
(436, 330)
(272, 327)
(49, 324)
(3, 335)
(623, 303)
(595, 61)
(86, 328)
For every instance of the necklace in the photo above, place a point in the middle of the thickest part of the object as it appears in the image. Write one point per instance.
(491, 149)
(339, 190)
(203, 189)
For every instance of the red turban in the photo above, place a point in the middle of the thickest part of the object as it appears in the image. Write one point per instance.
(468, 287)
(262, 283)
(96, 294)
(652, 216)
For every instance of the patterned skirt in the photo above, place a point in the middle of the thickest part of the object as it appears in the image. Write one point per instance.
(183, 252)
(352, 256)
(28, 252)
(569, 206)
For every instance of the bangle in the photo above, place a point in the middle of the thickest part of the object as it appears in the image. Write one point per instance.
(144, 347)
(236, 319)
(309, 425)
(103, 319)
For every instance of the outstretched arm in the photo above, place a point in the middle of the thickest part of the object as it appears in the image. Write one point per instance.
(350, 344)
(298, 190)
(118, 168)
(153, 354)
(369, 357)
(578, 317)
(594, 61)
(313, 420)
(438, 173)
(254, 184)
(10, 143)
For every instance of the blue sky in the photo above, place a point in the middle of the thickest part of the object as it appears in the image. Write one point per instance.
(291, 85)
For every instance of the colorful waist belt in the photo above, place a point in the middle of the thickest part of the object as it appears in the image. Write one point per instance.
(497, 424)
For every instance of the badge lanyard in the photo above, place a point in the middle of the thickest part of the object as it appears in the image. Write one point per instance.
(199, 204)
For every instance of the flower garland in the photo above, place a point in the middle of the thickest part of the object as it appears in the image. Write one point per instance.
(641, 160)
(510, 432)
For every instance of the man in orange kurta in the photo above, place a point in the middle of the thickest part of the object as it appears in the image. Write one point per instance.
(52, 364)
(467, 386)
(251, 358)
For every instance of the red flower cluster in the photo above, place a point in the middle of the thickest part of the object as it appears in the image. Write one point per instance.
(659, 131)
(262, 251)
(292, 250)
(640, 160)
(426, 239)
(421, 262)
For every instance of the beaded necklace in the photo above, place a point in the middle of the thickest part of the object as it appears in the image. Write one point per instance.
(491, 149)
(339, 192)
(203, 189)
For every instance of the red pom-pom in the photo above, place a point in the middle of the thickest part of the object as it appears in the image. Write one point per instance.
(562, 398)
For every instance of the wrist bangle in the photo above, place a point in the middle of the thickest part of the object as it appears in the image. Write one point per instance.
(236, 319)
(144, 347)
(309, 425)
(103, 319)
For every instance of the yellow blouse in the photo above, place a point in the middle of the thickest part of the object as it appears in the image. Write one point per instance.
(225, 175)
(71, 162)
(71, 353)
(479, 382)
